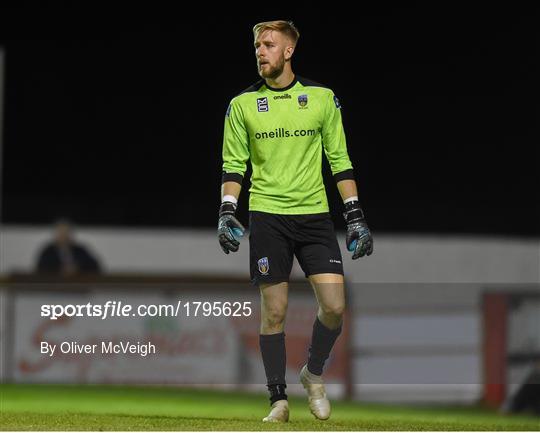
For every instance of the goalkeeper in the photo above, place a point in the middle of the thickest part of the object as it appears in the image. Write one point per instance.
(281, 124)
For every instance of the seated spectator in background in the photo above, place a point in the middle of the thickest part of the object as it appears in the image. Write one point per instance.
(63, 256)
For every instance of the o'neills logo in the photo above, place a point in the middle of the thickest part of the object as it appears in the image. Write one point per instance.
(284, 96)
(284, 133)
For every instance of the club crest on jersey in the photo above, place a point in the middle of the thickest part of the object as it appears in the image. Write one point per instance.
(302, 101)
(262, 104)
(264, 267)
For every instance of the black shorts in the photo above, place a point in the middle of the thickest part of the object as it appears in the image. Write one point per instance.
(274, 240)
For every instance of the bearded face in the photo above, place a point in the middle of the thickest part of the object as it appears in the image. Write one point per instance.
(270, 49)
(269, 69)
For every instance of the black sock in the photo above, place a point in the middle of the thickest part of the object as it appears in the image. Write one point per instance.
(274, 360)
(277, 392)
(322, 341)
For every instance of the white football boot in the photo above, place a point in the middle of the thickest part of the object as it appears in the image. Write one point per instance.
(314, 385)
(279, 412)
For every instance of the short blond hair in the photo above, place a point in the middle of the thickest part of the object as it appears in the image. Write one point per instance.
(286, 27)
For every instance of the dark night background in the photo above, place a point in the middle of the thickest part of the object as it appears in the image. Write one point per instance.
(124, 127)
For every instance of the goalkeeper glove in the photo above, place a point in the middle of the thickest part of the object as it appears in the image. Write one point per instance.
(229, 228)
(359, 239)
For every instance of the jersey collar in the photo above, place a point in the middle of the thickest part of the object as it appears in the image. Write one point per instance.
(273, 89)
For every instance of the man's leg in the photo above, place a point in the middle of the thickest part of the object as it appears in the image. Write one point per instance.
(274, 298)
(330, 292)
(271, 249)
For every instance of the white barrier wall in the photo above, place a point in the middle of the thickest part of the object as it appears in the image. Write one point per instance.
(417, 327)
(441, 259)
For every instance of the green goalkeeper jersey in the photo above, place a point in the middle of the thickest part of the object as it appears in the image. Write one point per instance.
(283, 132)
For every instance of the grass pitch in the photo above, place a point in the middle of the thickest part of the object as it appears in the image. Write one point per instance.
(95, 407)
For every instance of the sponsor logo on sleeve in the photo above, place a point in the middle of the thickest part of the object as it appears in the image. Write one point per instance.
(262, 104)
(336, 101)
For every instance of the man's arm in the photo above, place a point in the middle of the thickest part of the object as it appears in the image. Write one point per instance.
(229, 228)
(347, 189)
(235, 154)
(359, 240)
(230, 189)
(334, 142)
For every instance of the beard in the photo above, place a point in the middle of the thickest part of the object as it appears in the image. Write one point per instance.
(273, 71)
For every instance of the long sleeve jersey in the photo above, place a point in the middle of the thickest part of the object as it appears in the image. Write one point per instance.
(283, 132)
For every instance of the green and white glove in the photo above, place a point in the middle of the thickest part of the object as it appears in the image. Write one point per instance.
(359, 240)
(229, 228)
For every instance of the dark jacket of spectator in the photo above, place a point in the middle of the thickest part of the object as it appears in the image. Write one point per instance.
(53, 259)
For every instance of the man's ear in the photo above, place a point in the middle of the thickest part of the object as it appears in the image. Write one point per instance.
(289, 52)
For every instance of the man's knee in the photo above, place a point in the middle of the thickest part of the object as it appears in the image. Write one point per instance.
(334, 310)
(273, 307)
(273, 316)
